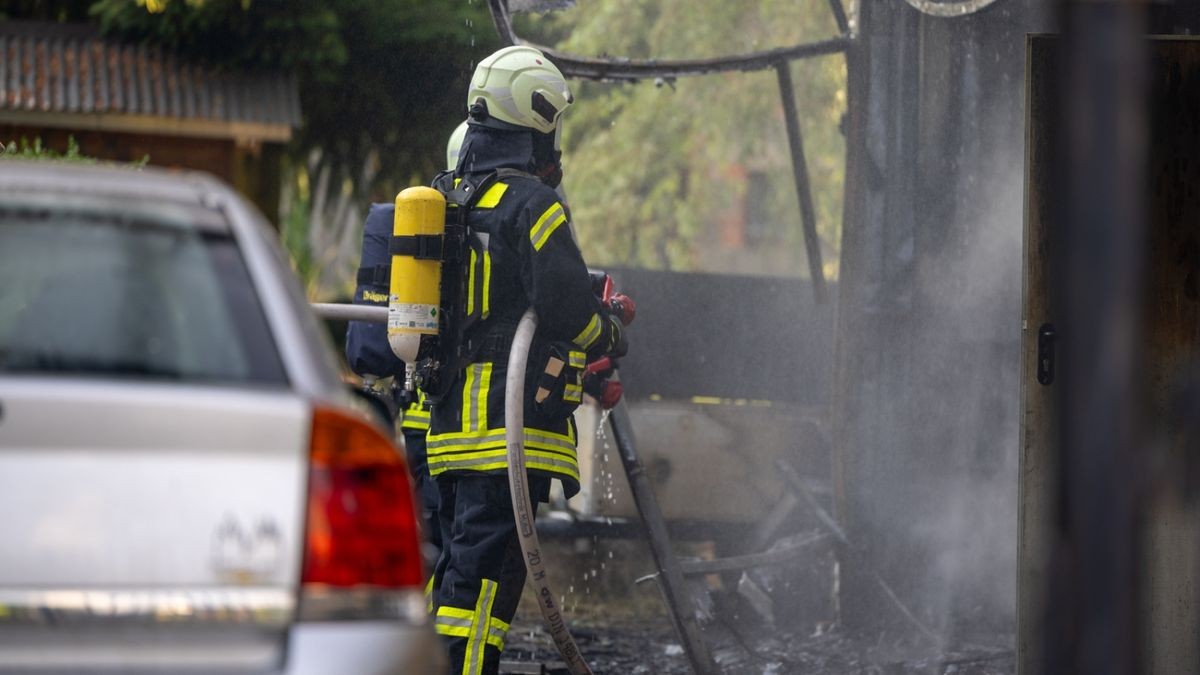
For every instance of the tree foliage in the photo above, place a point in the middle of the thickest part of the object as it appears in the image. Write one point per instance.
(383, 77)
(382, 85)
(696, 173)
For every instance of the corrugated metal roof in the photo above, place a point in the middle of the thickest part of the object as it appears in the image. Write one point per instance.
(61, 68)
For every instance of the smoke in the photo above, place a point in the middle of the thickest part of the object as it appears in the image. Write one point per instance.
(970, 516)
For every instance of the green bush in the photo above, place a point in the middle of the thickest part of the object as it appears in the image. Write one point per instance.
(24, 149)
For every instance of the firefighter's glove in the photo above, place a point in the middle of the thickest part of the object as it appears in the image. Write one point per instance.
(606, 392)
(617, 344)
(557, 385)
(623, 307)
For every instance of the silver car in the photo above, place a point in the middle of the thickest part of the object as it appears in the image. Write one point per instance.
(185, 483)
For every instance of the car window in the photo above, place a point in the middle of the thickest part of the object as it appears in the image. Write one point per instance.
(122, 295)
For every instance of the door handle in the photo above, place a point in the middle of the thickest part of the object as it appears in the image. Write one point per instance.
(1045, 354)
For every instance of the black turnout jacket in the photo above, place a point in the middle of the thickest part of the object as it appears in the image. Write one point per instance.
(526, 255)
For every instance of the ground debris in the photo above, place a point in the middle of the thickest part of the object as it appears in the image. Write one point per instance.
(622, 627)
(650, 648)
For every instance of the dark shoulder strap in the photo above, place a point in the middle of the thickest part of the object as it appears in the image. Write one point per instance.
(515, 173)
(470, 188)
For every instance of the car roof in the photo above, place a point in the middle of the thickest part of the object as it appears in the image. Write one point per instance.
(120, 185)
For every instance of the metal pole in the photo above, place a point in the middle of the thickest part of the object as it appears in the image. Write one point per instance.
(670, 578)
(338, 312)
(839, 15)
(808, 215)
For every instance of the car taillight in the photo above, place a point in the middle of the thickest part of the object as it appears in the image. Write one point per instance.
(362, 520)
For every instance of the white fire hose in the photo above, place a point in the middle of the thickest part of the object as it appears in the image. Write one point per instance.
(514, 424)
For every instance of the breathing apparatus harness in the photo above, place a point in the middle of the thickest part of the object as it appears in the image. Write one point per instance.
(443, 356)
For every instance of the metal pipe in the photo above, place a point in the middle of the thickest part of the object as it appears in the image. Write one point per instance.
(670, 577)
(776, 556)
(341, 312)
(523, 509)
(839, 15)
(573, 65)
(808, 214)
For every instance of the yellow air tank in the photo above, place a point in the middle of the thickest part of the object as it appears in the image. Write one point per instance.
(415, 293)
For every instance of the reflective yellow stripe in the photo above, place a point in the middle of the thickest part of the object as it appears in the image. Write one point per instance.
(415, 415)
(550, 219)
(573, 393)
(588, 336)
(549, 230)
(455, 612)
(575, 359)
(497, 631)
(415, 419)
(471, 284)
(481, 398)
(452, 631)
(468, 384)
(536, 438)
(453, 621)
(486, 291)
(498, 461)
(491, 198)
(429, 595)
(480, 623)
(488, 455)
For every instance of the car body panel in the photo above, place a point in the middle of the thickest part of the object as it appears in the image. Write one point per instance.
(158, 525)
(150, 484)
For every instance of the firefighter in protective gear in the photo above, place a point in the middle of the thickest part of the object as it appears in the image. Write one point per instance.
(454, 145)
(527, 257)
(415, 424)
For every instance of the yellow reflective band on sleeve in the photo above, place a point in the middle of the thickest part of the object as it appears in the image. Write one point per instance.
(588, 336)
(545, 225)
(414, 419)
(471, 284)
(429, 595)
(486, 291)
(541, 240)
(415, 415)
(491, 198)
